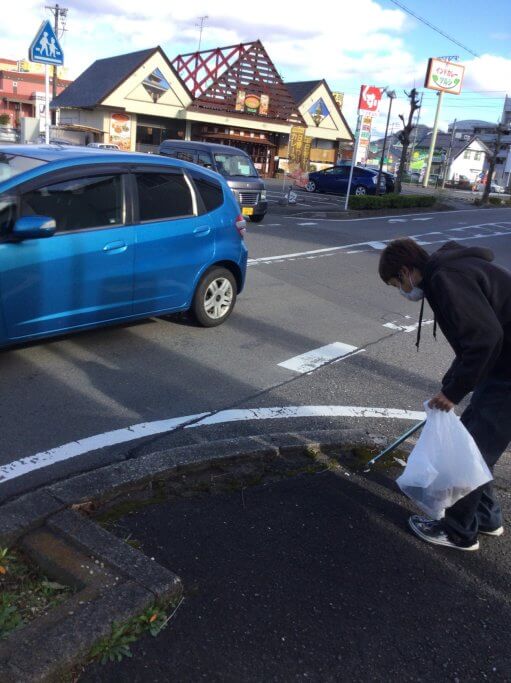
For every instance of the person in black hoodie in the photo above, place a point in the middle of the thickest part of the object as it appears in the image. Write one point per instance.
(471, 300)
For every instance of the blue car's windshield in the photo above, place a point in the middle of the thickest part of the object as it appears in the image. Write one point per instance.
(14, 164)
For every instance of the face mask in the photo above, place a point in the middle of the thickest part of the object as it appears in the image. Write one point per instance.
(416, 293)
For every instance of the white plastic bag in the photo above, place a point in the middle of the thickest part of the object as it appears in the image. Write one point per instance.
(444, 466)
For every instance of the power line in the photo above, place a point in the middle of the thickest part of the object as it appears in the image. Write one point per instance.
(435, 28)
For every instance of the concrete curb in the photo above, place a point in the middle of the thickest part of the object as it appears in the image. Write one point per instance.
(114, 581)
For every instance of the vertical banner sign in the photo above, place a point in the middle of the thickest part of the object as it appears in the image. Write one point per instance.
(365, 138)
(368, 103)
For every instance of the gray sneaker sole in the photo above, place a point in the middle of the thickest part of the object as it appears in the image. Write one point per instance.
(441, 542)
(493, 532)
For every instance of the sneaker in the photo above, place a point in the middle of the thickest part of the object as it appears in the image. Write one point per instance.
(492, 532)
(432, 531)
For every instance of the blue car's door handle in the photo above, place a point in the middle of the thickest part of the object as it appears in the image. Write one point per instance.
(115, 247)
(202, 230)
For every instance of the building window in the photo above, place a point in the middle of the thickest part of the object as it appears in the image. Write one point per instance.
(467, 154)
(477, 156)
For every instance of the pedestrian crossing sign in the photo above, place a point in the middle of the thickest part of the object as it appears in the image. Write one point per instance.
(45, 48)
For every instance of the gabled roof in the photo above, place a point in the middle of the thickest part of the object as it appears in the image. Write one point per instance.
(215, 79)
(102, 78)
(302, 89)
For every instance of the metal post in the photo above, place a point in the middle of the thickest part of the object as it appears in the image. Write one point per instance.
(433, 140)
(414, 143)
(47, 105)
(384, 141)
(353, 161)
(448, 157)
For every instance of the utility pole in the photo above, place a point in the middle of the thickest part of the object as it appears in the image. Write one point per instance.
(391, 94)
(58, 13)
(449, 151)
(200, 26)
(433, 139)
(500, 131)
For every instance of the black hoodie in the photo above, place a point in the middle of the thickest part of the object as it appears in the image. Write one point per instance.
(471, 298)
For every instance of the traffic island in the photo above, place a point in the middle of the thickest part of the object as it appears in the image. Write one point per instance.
(113, 592)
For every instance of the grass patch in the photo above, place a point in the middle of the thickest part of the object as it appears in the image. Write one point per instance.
(25, 593)
(391, 201)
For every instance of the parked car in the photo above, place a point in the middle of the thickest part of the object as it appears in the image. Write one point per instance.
(497, 189)
(9, 134)
(89, 238)
(233, 164)
(56, 141)
(335, 179)
(103, 145)
(390, 181)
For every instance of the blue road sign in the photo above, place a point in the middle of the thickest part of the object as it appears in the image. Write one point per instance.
(45, 48)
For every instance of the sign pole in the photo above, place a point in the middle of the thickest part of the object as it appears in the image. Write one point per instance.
(47, 107)
(433, 139)
(353, 161)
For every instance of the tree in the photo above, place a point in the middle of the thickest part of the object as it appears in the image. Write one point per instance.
(492, 160)
(5, 119)
(404, 136)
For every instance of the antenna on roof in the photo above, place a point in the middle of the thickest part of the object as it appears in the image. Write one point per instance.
(200, 26)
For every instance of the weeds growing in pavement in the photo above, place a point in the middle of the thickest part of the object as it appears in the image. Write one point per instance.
(116, 646)
(25, 594)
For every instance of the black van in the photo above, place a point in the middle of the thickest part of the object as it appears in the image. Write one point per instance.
(234, 164)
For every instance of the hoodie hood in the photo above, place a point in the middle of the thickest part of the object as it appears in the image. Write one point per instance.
(452, 251)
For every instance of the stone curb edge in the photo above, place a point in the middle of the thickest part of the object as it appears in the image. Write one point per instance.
(114, 581)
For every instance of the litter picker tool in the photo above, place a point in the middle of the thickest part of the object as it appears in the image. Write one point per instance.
(395, 444)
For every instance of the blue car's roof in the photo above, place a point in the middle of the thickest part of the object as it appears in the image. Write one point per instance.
(57, 152)
(64, 156)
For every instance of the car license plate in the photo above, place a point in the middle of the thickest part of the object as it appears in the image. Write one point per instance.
(247, 211)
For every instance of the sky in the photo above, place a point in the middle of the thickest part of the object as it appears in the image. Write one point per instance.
(347, 42)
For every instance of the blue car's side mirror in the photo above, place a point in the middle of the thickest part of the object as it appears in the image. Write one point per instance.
(33, 227)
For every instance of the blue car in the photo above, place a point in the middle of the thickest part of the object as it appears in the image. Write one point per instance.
(89, 238)
(335, 180)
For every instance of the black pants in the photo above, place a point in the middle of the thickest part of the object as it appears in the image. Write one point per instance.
(488, 419)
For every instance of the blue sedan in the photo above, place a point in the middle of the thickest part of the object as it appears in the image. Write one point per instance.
(89, 238)
(335, 180)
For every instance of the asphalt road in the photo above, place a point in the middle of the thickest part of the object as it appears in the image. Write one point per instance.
(317, 578)
(310, 283)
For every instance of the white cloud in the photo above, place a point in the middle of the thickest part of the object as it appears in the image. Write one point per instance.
(345, 43)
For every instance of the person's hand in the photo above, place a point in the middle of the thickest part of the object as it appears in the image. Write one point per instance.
(441, 402)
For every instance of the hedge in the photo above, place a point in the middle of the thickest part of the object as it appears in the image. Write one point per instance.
(391, 201)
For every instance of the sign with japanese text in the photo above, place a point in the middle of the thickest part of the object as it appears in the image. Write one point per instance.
(444, 76)
(364, 139)
(369, 100)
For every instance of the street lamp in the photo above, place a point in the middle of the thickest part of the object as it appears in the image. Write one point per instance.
(391, 94)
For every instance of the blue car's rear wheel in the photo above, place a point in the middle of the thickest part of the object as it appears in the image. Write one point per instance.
(214, 297)
(360, 190)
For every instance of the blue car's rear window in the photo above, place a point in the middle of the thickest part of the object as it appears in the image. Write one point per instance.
(14, 164)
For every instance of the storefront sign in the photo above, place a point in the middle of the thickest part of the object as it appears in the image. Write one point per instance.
(419, 158)
(444, 76)
(252, 103)
(120, 131)
(369, 100)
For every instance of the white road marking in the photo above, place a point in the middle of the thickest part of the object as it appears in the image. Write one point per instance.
(91, 443)
(304, 224)
(504, 228)
(17, 468)
(317, 357)
(398, 220)
(422, 219)
(406, 328)
(406, 215)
